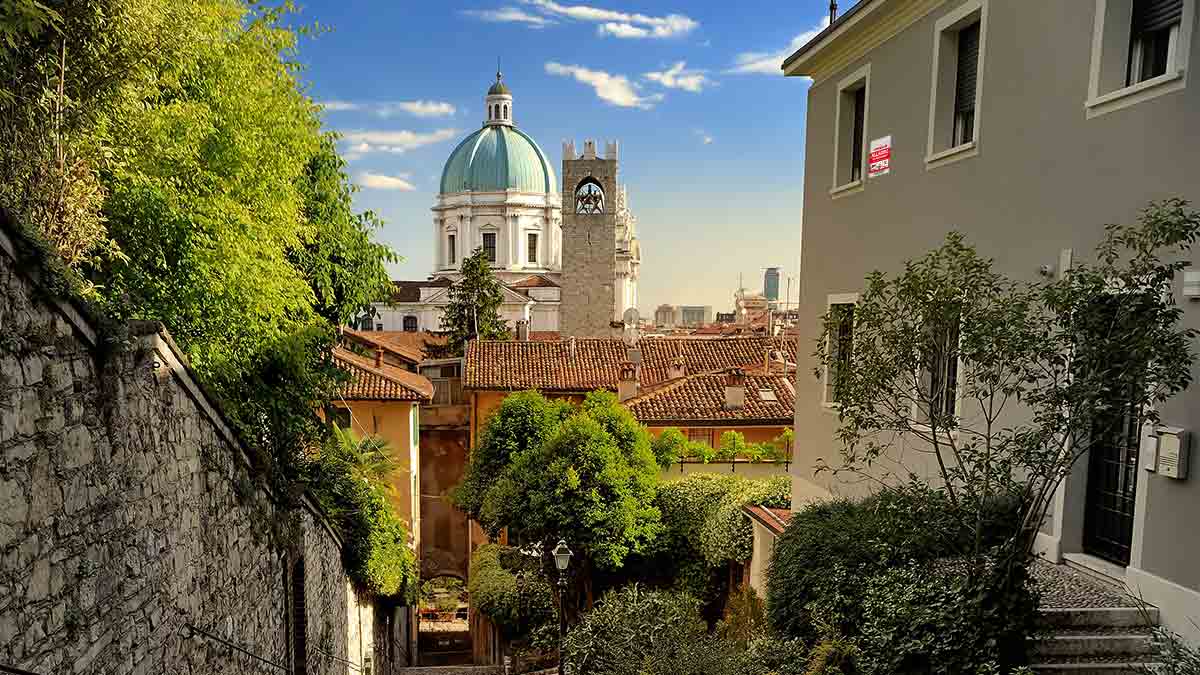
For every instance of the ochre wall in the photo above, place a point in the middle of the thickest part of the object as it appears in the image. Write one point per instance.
(393, 422)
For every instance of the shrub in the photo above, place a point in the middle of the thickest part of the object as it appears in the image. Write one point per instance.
(823, 558)
(745, 619)
(1173, 654)
(728, 535)
(633, 629)
(932, 620)
(509, 588)
(833, 656)
(352, 490)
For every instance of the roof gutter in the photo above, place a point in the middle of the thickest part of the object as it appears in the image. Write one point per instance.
(793, 65)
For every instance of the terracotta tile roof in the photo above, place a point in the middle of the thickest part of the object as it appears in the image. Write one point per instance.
(410, 291)
(406, 345)
(369, 382)
(770, 399)
(775, 520)
(534, 281)
(596, 362)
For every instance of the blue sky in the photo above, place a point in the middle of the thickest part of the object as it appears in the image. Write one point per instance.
(711, 133)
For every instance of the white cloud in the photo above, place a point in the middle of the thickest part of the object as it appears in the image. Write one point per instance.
(337, 106)
(419, 108)
(704, 136)
(679, 77)
(612, 22)
(378, 181)
(362, 142)
(508, 15)
(615, 89)
(769, 63)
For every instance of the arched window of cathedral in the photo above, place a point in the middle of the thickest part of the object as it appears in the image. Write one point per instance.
(589, 197)
(496, 112)
(506, 111)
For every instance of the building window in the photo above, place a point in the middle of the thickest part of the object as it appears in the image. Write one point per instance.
(532, 245)
(589, 197)
(379, 326)
(506, 111)
(850, 129)
(1139, 51)
(840, 345)
(410, 324)
(1154, 29)
(489, 246)
(701, 436)
(451, 249)
(937, 400)
(964, 85)
(958, 55)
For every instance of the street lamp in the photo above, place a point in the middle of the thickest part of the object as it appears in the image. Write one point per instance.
(562, 559)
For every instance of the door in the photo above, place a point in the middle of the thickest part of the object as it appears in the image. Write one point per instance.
(1112, 485)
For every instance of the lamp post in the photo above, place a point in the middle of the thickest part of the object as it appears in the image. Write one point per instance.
(562, 558)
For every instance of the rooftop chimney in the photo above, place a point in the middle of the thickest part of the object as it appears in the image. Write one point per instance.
(677, 369)
(832, 11)
(735, 389)
(571, 347)
(378, 357)
(522, 330)
(627, 386)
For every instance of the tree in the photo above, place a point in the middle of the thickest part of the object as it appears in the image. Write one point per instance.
(1005, 384)
(547, 471)
(474, 309)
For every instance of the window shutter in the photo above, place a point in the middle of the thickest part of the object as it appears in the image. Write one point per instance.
(968, 66)
(860, 120)
(1153, 15)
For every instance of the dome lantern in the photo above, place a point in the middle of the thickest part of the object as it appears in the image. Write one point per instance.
(498, 103)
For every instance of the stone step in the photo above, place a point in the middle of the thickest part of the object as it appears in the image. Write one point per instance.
(1098, 616)
(1092, 644)
(1065, 666)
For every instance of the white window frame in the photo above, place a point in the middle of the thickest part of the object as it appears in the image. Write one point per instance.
(1110, 48)
(830, 301)
(493, 230)
(951, 22)
(850, 82)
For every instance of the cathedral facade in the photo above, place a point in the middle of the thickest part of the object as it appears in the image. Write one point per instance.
(568, 266)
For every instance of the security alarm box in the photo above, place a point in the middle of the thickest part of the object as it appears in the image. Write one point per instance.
(1173, 452)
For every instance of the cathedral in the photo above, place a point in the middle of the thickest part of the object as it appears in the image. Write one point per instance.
(568, 265)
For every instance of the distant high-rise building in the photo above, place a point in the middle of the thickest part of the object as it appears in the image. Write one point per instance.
(771, 284)
(694, 316)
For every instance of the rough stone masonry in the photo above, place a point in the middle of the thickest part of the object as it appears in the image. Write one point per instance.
(128, 510)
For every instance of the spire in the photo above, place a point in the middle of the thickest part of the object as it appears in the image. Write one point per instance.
(498, 101)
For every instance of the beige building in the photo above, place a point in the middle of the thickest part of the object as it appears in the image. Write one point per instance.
(1026, 126)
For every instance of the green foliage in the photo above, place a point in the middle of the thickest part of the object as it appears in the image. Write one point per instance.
(522, 422)
(589, 478)
(473, 312)
(728, 534)
(350, 481)
(633, 630)
(939, 621)
(669, 447)
(510, 589)
(1173, 655)
(834, 656)
(167, 151)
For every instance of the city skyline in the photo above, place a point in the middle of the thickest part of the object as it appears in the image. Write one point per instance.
(605, 71)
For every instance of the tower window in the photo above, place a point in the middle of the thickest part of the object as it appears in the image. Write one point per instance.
(532, 245)
(589, 197)
(506, 111)
(451, 251)
(489, 246)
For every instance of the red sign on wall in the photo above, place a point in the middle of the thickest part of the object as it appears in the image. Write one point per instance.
(880, 160)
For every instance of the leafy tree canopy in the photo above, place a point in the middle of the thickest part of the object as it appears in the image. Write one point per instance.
(546, 470)
(473, 312)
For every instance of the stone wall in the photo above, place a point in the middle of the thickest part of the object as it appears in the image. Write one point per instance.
(589, 249)
(131, 523)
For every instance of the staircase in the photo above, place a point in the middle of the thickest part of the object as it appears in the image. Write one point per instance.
(1090, 624)
(1094, 641)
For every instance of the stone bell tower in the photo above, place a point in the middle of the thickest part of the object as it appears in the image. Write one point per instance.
(589, 304)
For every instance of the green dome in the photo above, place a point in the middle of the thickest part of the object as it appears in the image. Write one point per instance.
(496, 158)
(499, 89)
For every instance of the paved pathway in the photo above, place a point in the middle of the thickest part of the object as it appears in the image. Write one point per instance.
(1063, 587)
